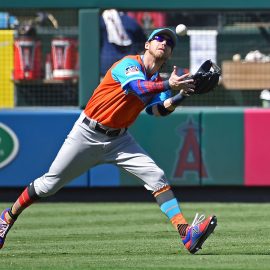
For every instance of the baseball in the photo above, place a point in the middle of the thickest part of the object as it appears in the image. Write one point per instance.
(181, 30)
(236, 57)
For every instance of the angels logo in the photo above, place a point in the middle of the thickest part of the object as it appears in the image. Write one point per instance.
(131, 70)
(9, 145)
(190, 158)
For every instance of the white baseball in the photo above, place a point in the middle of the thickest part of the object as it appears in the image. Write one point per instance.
(236, 57)
(181, 30)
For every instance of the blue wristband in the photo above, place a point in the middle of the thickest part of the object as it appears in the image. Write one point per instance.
(167, 85)
(177, 99)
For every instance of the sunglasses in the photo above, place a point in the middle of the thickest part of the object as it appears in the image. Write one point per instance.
(169, 41)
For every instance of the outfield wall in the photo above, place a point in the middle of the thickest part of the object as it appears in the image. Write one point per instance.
(194, 146)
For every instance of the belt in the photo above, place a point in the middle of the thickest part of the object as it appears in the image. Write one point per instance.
(109, 132)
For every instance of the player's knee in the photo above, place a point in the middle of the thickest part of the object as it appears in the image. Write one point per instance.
(159, 174)
(159, 179)
(46, 185)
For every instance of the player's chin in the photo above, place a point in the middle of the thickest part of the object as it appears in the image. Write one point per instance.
(161, 55)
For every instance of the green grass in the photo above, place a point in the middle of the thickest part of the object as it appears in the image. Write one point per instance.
(134, 236)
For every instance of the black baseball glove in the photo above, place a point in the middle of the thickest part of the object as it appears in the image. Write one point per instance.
(205, 80)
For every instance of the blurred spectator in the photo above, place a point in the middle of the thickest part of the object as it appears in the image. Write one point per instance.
(149, 19)
(120, 35)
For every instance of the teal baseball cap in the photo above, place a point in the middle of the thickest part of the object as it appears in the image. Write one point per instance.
(165, 31)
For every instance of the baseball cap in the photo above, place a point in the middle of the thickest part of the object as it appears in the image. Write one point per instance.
(166, 31)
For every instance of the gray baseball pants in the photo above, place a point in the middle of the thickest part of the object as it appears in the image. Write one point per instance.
(85, 148)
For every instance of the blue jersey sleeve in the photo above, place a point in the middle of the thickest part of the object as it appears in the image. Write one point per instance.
(126, 71)
(159, 98)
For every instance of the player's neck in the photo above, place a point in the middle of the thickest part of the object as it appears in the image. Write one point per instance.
(151, 64)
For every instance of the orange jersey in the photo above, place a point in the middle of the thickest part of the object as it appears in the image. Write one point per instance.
(112, 104)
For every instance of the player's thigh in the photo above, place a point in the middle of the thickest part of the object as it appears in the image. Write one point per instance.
(77, 155)
(134, 159)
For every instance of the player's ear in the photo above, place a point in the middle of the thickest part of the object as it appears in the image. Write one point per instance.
(146, 45)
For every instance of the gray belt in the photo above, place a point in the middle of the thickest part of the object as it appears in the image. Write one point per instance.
(109, 132)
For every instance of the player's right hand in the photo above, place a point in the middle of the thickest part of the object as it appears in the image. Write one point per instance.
(183, 83)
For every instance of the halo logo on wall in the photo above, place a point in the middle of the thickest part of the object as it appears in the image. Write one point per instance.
(9, 145)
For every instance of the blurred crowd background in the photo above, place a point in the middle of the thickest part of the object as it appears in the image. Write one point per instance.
(40, 52)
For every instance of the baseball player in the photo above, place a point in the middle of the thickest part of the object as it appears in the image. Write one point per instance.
(100, 135)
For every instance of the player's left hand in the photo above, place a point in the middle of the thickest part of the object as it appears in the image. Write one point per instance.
(187, 92)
